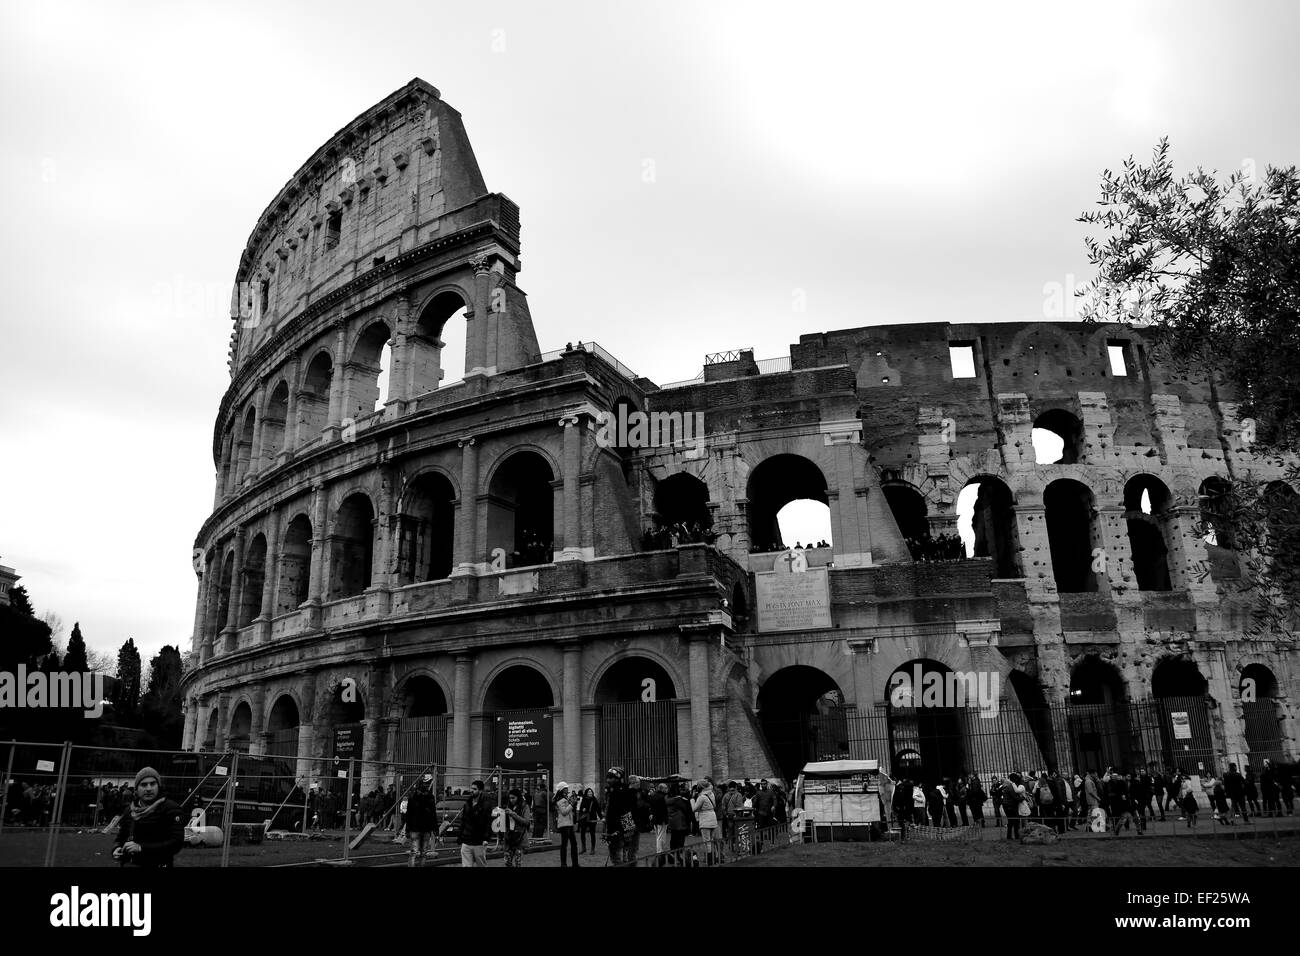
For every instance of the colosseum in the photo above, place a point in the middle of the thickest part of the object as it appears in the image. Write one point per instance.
(407, 569)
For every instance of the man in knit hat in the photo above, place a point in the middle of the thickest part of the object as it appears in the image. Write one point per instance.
(152, 830)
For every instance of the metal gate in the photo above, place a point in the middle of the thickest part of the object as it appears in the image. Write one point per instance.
(421, 740)
(1263, 731)
(639, 737)
(283, 743)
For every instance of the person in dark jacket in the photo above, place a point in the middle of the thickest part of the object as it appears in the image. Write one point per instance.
(975, 797)
(590, 813)
(934, 804)
(764, 802)
(1234, 785)
(1252, 791)
(475, 827)
(680, 819)
(1060, 815)
(1140, 797)
(152, 830)
(421, 818)
(1270, 790)
(620, 816)
(1118, 802)
(902, 806)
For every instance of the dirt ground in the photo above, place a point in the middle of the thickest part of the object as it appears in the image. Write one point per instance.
(1122, 851)
(26, 847)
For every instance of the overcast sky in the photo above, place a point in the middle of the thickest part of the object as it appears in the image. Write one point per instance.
(687, 175)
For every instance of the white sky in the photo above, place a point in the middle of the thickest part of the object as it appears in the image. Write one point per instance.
(870, 162)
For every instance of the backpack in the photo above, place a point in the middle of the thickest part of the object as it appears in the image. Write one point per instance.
(1044, 793)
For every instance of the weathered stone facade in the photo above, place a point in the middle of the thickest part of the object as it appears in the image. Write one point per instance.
(475, 548)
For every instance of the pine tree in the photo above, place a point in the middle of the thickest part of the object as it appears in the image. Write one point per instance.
(75, 659)
(126, 699)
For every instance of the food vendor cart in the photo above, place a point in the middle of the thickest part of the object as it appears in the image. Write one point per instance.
(843, 800)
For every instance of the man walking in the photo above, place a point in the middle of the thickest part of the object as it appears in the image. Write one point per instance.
(421, 818)
(1234, 787)
(475, 827)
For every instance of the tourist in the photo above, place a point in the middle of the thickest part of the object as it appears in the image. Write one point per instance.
(658, 800)
(764, 802)
(475, 827)
(1119, 803)
(620, 821)
(1234, 786)
(1140, 796)
(539, 805)
(152, 831)
(975, 797)
(589, 815)
(641, 819)
(732, 803)
(934, 804)
(420, 816)
(1268, 785)
(902, 806)
(918, 804)
(1187, 803)
(680, 819)
(518, 822)
(704, 806)
(1015, 803)
(1252, 791)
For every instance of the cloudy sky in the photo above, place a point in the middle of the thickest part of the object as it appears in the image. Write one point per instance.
(689, 176)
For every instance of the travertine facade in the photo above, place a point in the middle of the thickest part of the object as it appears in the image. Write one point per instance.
(474, 549)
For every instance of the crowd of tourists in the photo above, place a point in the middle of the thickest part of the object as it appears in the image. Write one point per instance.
(946, 547)
(1108, 802)
(677, 533)
(768, 546)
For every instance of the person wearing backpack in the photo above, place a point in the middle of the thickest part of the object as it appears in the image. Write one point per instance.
(975, 798)
(1014, 799)
(705, 809)
(960, 794)
(680, 818)
(1044, 799)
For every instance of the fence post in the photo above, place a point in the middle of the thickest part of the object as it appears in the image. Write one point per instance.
(228, 812)
(9, 774)
(347, 809)
(59, 787)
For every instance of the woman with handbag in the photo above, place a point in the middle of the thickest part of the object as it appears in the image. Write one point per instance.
(589, 814)
(565, 818)
(518, 822)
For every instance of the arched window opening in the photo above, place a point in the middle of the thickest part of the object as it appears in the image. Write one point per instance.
(802, 712)
(314, 400)
(295, 566)
(274, 421)
(1178, 677)
(682, 514)
(422, 697)
(926, 734)
(244, 452)
(1218, 510)
(366, 391)
(986, 524)
(223, 594)
(1146, 501)
(1057, 437)
(425, 530)
(250, 603)
(1098, 713)
(634, 680)
(517, 688)
(1071, 531)
(437, 348)
(777, 482)
(352, 547)
(1261, 715)
(241, 728)
(521, 503)
(282, 724)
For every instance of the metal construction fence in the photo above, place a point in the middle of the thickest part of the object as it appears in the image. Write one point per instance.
(62, 805)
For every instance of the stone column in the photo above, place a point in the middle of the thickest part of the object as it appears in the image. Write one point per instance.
(257, 737)
(701, 738)
(230, 464)
(337, 386)
(1110, 533)
(381, 578)
(271, 580)
(572, 766)
(370, 750)
(849, 538)
(255, 453)
(315, 588)
(290, 414)
(223, 720)
(478, 319)
(303, 769)
(191, 724)
(200, 611)
(236, 595)
(467, 517)
(572, 464)
(460, 710)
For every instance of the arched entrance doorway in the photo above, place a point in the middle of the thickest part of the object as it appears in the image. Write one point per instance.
(637, 727)
(421, 737)
(1261, 715)
(519, 734)
(804, 718)
(241, 729)
(1181, 715)
(283, 728)
(521, 510)
(1098, 717)
(925, 735)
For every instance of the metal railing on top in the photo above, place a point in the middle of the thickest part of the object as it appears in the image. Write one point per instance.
(596, 349)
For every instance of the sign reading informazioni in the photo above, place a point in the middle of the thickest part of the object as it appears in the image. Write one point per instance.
(792, 602)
